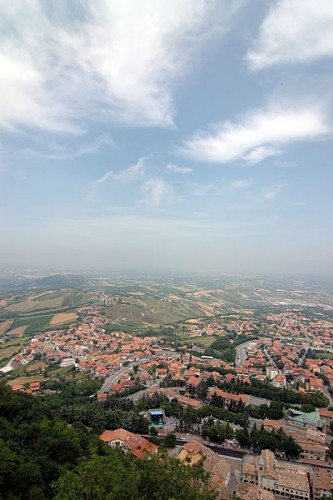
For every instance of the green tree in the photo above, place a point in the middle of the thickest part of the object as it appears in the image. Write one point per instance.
(170, 440)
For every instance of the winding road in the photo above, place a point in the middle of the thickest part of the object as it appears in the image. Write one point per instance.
(113, 379)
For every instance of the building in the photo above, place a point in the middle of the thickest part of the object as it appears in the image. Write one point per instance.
(283, 479)
(183, 400)
(271, 372)
(310, 420)
(313, 451)
(156, 418)
(322, 482)
(193, 386)
(326, 416)
(229, 398)
(253, 492)
(271, 425)
(128, 441)
(218, 469)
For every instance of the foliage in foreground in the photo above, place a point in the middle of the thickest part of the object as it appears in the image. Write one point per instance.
(120, 476)
(43, 457)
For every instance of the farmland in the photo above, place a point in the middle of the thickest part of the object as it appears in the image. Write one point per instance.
(4, 326)
(34, 311)
(61, 318)
(32, 323)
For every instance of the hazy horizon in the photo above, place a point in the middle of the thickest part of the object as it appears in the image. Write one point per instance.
(167, 136)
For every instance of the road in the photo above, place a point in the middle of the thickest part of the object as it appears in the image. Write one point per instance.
(137, 395)
(328, 395)
(113, 379)
(8, 367)
(270, 360)
(241, 352)
(227, 452)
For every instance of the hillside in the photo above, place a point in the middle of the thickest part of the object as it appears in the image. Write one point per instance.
(41, 457)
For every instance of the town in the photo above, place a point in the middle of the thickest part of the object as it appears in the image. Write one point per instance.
(250, 397)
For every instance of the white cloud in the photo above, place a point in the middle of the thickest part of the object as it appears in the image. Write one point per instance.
(156, 191)
(259, 135)
(130, 174)
(107, 60)
(294, 31)
(241, 183)
(180, 170)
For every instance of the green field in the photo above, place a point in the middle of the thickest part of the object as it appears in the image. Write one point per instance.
(10, 348)
(35, 323)
(49, 295)
(35, 305)
(150, 311)
(204, 341)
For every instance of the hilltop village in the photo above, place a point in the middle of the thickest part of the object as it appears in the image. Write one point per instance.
(245, 416)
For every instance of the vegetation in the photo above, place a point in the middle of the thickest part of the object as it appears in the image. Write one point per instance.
(42, 457)
(268, 391)
(260, 439)
(225, 347)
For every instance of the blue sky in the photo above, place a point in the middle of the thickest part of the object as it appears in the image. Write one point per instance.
(167, 135)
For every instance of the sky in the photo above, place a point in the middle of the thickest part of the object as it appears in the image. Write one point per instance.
(169, 135)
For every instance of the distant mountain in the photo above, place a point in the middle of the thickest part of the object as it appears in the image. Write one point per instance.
(54, 282)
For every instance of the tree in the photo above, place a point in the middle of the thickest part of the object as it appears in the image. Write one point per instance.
(170, 440)
(120, 476)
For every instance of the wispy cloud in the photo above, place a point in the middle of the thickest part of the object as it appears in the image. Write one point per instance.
(177, 169)
(271, 192)
(130, 174)
(259, 135)
(108, 60)
(156, 191)
(261, 198)
(55, 151)
(293, 31)
(241, 183)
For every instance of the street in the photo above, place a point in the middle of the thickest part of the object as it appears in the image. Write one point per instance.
(113, 379)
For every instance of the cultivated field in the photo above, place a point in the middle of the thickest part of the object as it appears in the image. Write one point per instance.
(4, 326)
(35, 305)
(35, 323)
(27, 380)
(36, 366)
(204, 341)
(60, 318)
(18, 332)
(8, 352)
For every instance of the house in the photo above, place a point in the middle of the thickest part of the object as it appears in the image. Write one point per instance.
(314, 384)
(216, 467)
(280, 381)
(229, 398)
(283, 479)
(322, 482)
(183, 400)
(18, 387)
(326, 416)
(193, 386)
(312, 451)
(247, 491)
(271, 425)
(101, 396)
(128, 441)
(34, 386)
